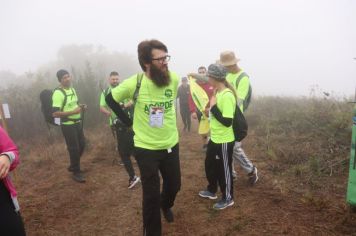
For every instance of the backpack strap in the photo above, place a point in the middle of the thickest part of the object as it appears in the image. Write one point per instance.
(138, 85)
(243, 74)
(65, 119)
(106, 91)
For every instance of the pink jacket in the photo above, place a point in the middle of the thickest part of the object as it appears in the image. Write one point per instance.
(8, 148)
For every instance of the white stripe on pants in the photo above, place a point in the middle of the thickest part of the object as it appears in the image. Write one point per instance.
(240, 157)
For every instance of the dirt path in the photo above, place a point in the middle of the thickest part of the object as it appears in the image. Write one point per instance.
(53, 204)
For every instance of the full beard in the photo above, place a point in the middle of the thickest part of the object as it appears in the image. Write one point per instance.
(160, 77)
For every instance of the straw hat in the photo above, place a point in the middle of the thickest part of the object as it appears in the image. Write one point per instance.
(228, 58)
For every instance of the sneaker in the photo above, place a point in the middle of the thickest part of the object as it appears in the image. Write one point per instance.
(133, 182)
(222, 204)
(253, 177)
(70, 169)
(117, 162)
(168, 215)
(234, 174)
(78, 177)
(207, 194)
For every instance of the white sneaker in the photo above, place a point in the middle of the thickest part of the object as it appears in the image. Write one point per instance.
(133, 182)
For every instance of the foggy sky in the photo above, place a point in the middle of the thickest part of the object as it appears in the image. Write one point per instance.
(286, 46)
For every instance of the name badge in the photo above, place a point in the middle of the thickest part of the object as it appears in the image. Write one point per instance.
(156, 117)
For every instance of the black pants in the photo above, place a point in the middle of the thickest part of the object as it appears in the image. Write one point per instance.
(185, 114)
(10, 221)
(74, 137)
(151, 163)
(125, 146)
(218, 168)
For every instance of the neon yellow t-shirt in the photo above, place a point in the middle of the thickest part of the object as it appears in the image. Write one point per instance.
(243, 88)
(226, 103)
(146, 136)
(103, 104)
(71, 103)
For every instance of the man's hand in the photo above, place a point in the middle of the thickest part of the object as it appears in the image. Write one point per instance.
(206, 111)
(4, 166)
(77, 110)
(194, 116)
(128, 104)
(83, 106)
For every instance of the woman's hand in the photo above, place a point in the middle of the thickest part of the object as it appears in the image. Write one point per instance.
(4, 166)
(212, 101)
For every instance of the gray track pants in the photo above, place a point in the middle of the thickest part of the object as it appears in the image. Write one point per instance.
(240, 158)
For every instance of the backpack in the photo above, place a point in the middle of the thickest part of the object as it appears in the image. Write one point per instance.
(247, 101)
(46, 104)
(239, 125)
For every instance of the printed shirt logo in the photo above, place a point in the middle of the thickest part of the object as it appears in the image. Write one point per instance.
(168, 93)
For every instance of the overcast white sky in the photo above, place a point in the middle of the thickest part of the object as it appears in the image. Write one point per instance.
(286, 46)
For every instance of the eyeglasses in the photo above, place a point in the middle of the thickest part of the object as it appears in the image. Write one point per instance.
(166, 58)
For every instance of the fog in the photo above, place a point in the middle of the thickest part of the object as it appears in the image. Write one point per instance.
(287, 47)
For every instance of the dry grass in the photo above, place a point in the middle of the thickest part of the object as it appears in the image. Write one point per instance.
(282, 202)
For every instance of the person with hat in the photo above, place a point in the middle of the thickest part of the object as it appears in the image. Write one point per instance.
(218, 161)
(66, 108)
(183, 95)
(240, 81)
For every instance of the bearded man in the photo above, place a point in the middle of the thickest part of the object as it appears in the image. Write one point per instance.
(156, 135)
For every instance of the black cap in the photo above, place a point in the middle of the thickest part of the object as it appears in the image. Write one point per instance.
(61, 73)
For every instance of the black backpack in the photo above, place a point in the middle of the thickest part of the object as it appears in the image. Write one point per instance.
(239, 125)
(247, 101)
(46, 104)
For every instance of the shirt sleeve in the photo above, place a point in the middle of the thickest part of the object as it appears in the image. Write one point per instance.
(8, 148)
(102, 100)
(228, 105)
(124, 90)
(57, 99)
(176, 82)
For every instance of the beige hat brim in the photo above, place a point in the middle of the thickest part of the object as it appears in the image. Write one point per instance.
(230, 63)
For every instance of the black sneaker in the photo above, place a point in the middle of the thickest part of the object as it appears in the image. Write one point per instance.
(70, 169)
(78, 177)
(168, 215)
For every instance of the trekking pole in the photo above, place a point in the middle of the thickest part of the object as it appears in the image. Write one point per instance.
(82, 112)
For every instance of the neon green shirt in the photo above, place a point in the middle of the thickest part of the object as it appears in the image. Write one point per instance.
(226, 103)
(152, 138)
(103, 104)
(71, 103)
(243, 88)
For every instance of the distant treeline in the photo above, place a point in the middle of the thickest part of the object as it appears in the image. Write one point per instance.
(89, 67)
